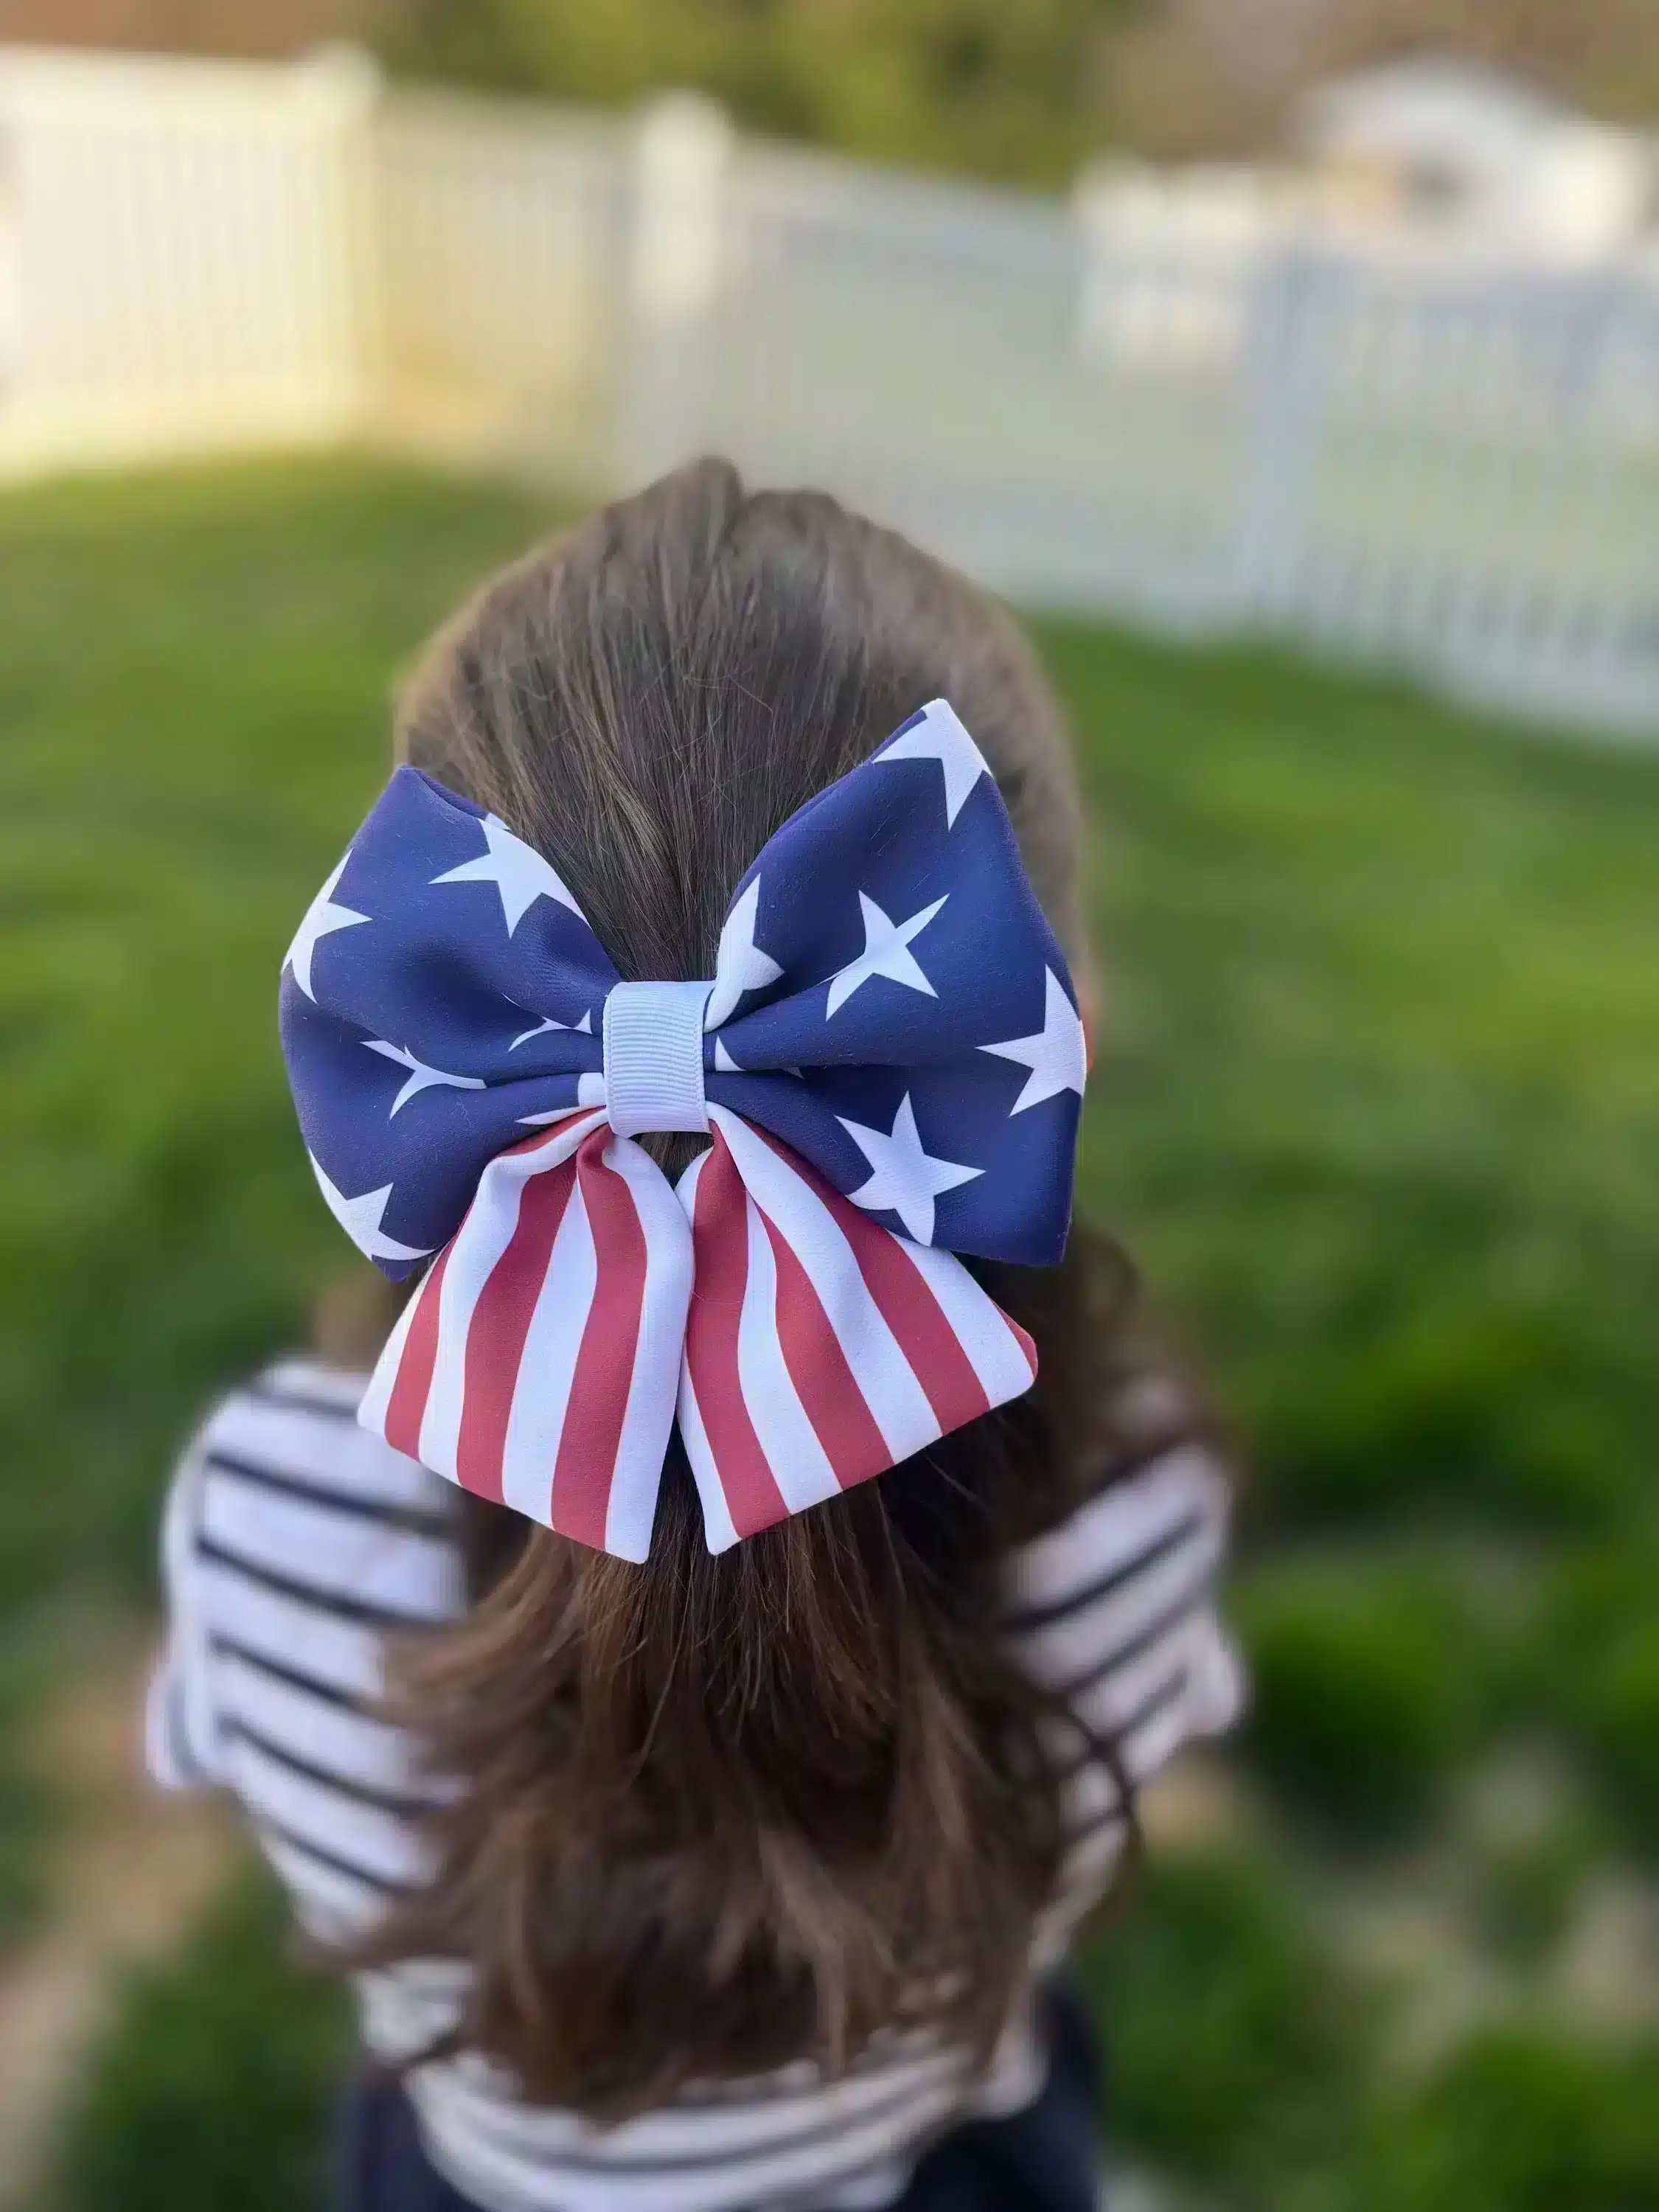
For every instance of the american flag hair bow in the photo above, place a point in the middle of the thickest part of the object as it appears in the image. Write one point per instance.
(888, 1064)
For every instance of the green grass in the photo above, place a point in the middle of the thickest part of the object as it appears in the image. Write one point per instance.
(193, 677)
(1377, 1113)
(1368, 1691)
(29, 1804)
(1235, 2050)
(1519, 2122)
(213, 2089)
(1381, 1120)
(1381, 1094)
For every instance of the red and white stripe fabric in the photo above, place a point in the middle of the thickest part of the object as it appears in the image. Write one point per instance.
(585, 1302)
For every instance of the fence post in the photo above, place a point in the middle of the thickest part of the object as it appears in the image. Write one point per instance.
(674, 259)
(1292, 331)
(344, 85)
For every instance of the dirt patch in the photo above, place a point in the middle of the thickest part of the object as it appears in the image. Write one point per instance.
(1196, 1803)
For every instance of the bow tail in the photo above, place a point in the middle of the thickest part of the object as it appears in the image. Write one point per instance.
(538, 1363)
(544, 1358)
(820, 1348)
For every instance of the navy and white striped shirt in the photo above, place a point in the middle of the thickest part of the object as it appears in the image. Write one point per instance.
(295, 1543)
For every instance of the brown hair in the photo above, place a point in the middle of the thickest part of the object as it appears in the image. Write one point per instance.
(721, 1813)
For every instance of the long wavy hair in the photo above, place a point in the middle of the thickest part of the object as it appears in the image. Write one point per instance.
(717, 1813)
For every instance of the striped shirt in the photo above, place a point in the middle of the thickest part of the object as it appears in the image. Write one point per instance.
(295, 1543)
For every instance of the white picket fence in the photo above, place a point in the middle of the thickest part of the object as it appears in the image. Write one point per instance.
(1415, 458)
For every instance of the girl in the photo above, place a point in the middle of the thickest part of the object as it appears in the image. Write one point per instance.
(735, 1871)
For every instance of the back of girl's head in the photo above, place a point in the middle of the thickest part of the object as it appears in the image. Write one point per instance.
(650, 698)
(721, 1812)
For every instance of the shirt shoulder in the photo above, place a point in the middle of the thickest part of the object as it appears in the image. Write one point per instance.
(1114, 1615)
(294, 1425)
(295, 1541)
(1178, 1498)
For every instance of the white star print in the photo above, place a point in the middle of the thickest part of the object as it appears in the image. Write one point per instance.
(903, 1179)
(322, 918)
(361, 1218)
(886, 952)
(724, 1065)
(585, 1028)
(939, 736)
(741, 967)
(590, 1092)
(1054, 1054)
(519, 874)
(420, 1077)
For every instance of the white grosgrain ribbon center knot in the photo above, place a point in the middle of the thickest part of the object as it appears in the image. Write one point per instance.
(653, 1045)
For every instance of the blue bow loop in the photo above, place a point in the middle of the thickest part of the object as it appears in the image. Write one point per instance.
(889, 1000)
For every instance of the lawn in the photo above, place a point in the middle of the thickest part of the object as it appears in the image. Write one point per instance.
(1378, 1118)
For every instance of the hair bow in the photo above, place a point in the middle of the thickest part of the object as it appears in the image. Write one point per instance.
(888, 1064)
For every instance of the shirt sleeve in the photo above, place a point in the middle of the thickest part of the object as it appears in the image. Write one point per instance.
(1115, 1613)
(180, 1751)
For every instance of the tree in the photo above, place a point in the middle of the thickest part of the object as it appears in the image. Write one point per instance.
(1008, 91)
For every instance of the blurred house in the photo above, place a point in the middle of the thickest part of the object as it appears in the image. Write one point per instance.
(1429, 156)
(1438, 164)
(1440, 143)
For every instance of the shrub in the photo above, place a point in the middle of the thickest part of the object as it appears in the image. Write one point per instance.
(1009, 93)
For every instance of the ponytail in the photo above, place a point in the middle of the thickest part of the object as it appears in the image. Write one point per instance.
(792, 1793)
